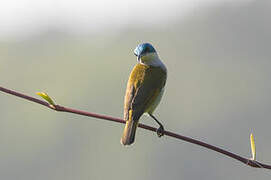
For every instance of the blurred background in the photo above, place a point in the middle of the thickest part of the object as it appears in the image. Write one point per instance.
(81, 53)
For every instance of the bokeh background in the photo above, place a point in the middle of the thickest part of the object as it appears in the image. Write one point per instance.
(80, 53)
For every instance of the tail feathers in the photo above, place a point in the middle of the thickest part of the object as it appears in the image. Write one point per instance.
(129, 132)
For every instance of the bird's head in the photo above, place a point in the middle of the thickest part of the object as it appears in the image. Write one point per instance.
(145, 52)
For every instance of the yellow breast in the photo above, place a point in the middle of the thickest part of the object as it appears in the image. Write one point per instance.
(144, 89)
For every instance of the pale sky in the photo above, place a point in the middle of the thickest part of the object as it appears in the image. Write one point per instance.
(26, 16)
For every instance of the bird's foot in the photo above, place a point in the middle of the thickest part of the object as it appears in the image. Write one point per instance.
(160, 131)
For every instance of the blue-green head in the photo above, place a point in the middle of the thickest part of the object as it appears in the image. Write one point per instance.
(144, 49)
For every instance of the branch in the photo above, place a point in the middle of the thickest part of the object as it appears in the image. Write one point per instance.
(51, 105)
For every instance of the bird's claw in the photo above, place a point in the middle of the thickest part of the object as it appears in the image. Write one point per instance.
(160, 131)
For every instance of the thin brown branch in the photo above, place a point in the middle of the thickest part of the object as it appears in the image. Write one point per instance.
(246, 161)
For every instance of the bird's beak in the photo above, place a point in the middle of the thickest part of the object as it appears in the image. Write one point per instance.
(137, 54)
(138, 58)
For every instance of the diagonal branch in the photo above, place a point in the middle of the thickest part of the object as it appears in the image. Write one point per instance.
(246, 161)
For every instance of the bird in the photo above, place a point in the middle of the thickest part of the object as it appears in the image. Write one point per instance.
(144, 90)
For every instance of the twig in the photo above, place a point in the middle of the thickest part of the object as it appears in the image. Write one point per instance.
(246, 161)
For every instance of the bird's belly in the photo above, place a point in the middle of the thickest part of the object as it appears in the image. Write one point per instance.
(155, 103)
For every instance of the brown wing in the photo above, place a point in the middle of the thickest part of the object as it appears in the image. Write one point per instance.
(130, 92)
(144, 85)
